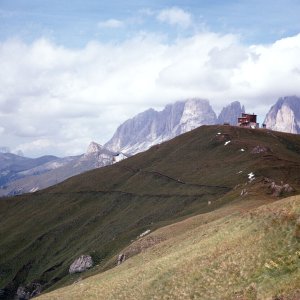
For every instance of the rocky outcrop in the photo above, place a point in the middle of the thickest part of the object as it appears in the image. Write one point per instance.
(22, 293)
(230, 113)
(284, 115)
(81, 264)
(121, 258)
(244, 192)
(96, 156)
(260, 149)
(28, 291)
(153, 127)
(279, 190)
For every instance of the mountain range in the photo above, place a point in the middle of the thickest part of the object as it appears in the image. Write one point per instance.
(20, 174)
(12, 165)
(153, 127)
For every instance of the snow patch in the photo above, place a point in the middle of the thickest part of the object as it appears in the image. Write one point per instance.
(239, 172)
(226, 143)
(251, 176)
(34, 190)
(119, 157)
(55, 165)
(242, 150)
(144, 233)
(218, 133)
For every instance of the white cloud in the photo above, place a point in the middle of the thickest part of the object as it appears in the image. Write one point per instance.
(40, 144)
(111, 23)
(55, 100)
(175, 16)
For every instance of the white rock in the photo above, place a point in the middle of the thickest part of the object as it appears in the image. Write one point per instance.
(81, 264)
(120, 156)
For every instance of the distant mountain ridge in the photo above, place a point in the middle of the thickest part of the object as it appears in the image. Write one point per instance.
(55, 170)
(11, 165)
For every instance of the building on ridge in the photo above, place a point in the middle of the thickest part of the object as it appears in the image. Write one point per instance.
(248, 120)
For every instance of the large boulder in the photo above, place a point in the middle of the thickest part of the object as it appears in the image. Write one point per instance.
(279, 190)
(29, 291)
(22, 294)
(81, 264)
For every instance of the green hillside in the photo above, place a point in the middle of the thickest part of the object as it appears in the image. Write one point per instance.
(244, 255)
(102, 211)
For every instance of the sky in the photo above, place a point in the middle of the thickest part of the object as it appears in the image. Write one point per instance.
(72, 71)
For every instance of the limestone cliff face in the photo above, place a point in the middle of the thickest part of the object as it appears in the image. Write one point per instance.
(153, 127)
(230, 113)
(95, 157)
(284, 115)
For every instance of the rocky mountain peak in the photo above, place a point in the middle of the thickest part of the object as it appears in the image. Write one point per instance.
(284, 115)
(196, 112)
(96, 156)
(153, 127)
(94, 148)
(230, 113)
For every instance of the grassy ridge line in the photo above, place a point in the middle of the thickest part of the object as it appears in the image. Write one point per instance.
(249, 255)
(199, 157)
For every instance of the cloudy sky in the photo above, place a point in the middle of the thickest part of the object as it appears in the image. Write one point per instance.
(72, 71)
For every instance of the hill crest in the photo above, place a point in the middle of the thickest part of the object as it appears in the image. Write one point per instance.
(101, 211)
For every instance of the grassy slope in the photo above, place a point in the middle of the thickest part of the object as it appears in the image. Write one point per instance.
(199, 157)
(101, 211)
(245, 255)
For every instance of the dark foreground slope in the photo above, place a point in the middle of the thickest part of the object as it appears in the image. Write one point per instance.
(101, 211)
